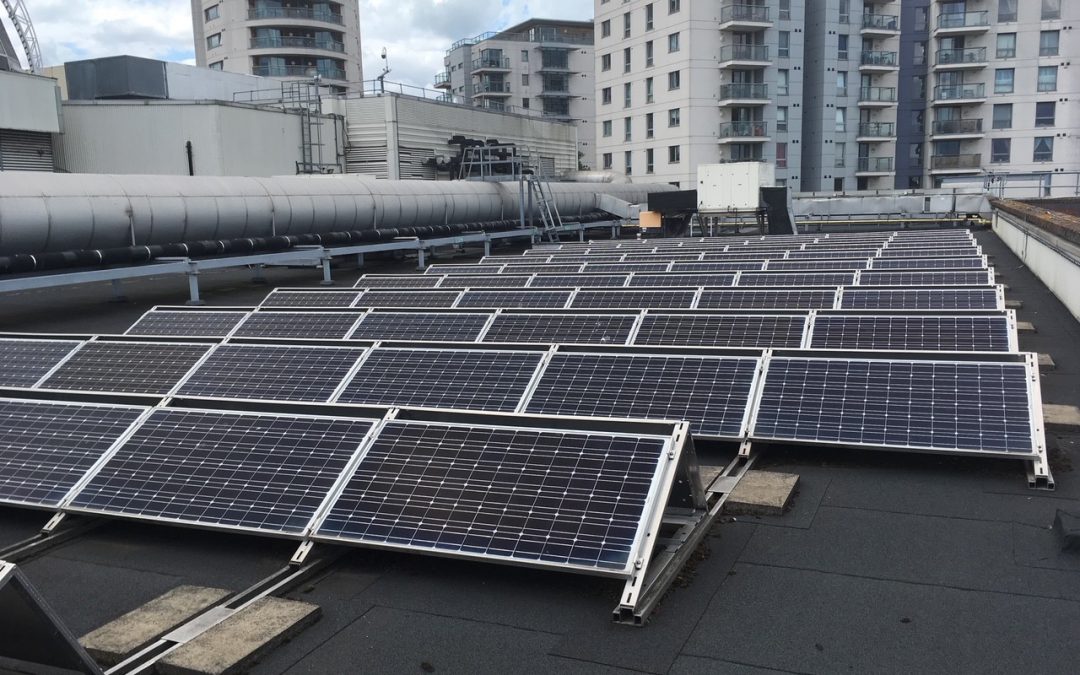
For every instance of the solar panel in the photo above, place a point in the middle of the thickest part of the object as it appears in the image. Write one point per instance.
(806, 265)
(267, 372)
(515, 299)
(127, 367)
(577, 280)
(408, 298)
(444, 327)
(662, 280)
(795, 279)
(930, 252)
(973, 262)
(634, 299)
(766, 299)
(552, 498)
(279, 298)
(186, 323)
(432, 378)
(399, 281)
(920, 299)
(485, 281)
(933, 405)
(462, 269)
(723, 266)
(46, 448)
(268, 473)
(712, 393)
(326, 325)
(547, 268)
(610, 329)
(24, 362)
(700, 267)
(756, 331)
(924, 333)
(625, 267)
(972, 278)
(818, 254)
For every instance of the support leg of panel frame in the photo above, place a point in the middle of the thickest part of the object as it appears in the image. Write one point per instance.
(1039, 476)
(259, 275)
(50, 536)
(359, 261)
(420, 262)
(117, 292)
(327, 279)
(193, 285)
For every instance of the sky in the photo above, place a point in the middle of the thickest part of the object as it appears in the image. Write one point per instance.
(415, 33)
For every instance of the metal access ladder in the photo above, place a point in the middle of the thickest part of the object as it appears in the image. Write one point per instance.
(540, 194)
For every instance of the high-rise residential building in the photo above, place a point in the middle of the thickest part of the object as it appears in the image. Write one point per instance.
(913, 92)
(542, 67)
(286, 39)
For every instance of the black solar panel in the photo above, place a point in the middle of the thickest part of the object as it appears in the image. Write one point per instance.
(973, 262)
(729, 258)
(408, 298)
(795, 279)
(684, 280)
(326, 325)
(972, 278)
(711, 393)
(546, 268)
(399, 281)
(699, 267)
(827, 254)
(485, 281)
(977, 407)
(808, 265)
(475, 380)
(929, 251)
(625, 267)
(463, 269)
(271, 373)
(515, 299)
(721, 331)
(920, 299)
(186, 323)
(127, 367)
(634, 299)
(310, 299)
(766, 299)
(724, 266)
(263, 472)
(926, 333)
(561, 328)
(24, 362)
(46, 448)
(578, 280)
(445, 327)
(541, 497)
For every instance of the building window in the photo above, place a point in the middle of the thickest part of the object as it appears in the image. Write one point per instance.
(1006, 45)
(628, 162)
(673, 43)
(782, 82)
(525, 103)
(628, 127)
(781, 155)
(1045, 113)
(648, 125)
(841, 83)
(213, 12)
(605, 95)
(605, 128)
(1047, 78)
(785, 10)
(918, 121)
(626, 60)
(1044, 149)
(1002, 116)
(605, 62)
(524, 55)
(605, 28)
(673, 6)
(626, 25)
(1048, 42)
(841, 120)
(648, 54)
(626, 89)
(607, 160)
(1006, 10)
(524, 79)
(842, 47)
(915, 151)
(674, 155)
(673, 80)
(781, 118)
(922, 18)
(1000, 149)
(648, 90)
(839, 150)
(783, 47)
(919, 85)
(1051, 9)
(649, 16)
(213, 41)
(845, 11)
(673, 118)
(217, 65)
(650, 157)
(919, 53)
(1003, 80)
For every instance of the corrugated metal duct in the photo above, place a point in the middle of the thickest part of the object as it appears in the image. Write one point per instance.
(42, 213)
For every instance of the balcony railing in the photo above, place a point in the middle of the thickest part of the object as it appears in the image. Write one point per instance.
(881, 21)
(963, 20)
(744, 13)
(877, 95)
(281, 42)
(744, 130)
(295, 13)
(886, 59)
(744, 53)
(968, 126)
(877, 129)
(950, 57)
(956, 161)
(298, 71)
(491, 88)
(958, 92)
(491, 63)
(442, 79)
(753, 92)
(875, 165)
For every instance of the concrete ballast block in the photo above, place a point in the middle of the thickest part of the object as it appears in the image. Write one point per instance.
(1046, 362)
(1014, 304)
(1061, 416)
(761, 493)
(235, 643)
(119, 639)
(1025, 327)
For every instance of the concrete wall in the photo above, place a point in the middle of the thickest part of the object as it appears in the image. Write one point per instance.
(1056, 262)
(29, 103)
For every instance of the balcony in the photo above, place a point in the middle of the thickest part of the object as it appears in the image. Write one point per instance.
(292, 42)
(491, 63)
(880, 25)
(956, 163)
(744, 17)
(744, 94)
(878, 61)
(556, 91)
(744, 55)
(876, 131)
(299, 71)
(961, 59)
(302, 13)
(874, 166)
(960, 94)
(442, 80)
(744, 132)
(491, 89)
(963, 23)
(966, 128)
(877, 97)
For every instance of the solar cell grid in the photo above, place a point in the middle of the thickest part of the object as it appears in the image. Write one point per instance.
(327, 325)
(442, 327)
(700, 267)
(577, 280)
(634, 299)
(46, 448)
(561, 328)
(930, 252)
(186, 323)
(754, 331)
(670, 279)
(485, 281)
(920, 299)
(625, 267)
(24, 362)
(740, 257)
(729, 266)
(310, 298)
(924, 333)
(542, 497)
(766, 299)
(805, 265)
(408, 298)
(795, 279)
(547, 268)
(972, 262)
(254, 471)
(441, 270)
(515, 299)
(959, 278)
(816, 254)
(126, 367)
(399, 281)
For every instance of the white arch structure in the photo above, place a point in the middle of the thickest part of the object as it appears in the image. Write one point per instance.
(20, 18)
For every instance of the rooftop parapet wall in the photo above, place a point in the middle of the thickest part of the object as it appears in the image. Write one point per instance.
(1059, 217)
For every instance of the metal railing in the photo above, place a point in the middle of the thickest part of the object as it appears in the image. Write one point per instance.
(877, 95)
(268, 42)
(881, 21)
(442, 78)
(958, 92)
(298, 71)
(744, 91)
(744, 53)
(491, 63)
(295, 13)
(946, 57)
(877, 129)
(756, 129)
(968, 126)
(963, 20)
(745, 13)
(956, 161)
(870, 58)
(875, 165)
(491, 88)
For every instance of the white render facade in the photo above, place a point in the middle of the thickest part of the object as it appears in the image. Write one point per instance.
(539, 67)
(283, 39)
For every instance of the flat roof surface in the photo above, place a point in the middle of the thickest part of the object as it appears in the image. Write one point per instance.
(885, 562)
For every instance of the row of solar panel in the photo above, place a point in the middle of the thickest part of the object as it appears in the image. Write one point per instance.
(711, 392)
(564, 499)
(865, 251)
(763, 261)
(807, 329)
(894, 240)
(849, 297)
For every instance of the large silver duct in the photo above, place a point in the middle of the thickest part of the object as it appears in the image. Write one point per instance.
(42, 213)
